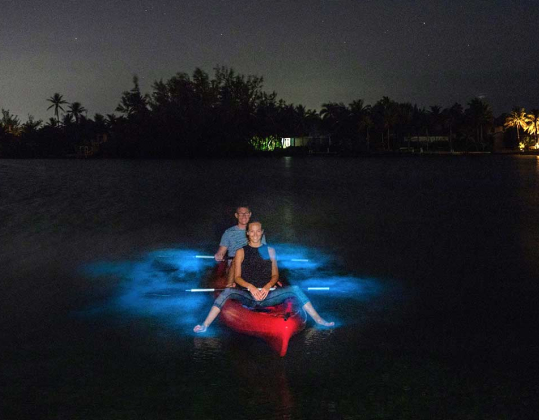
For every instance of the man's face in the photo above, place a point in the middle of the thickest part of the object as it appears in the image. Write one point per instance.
(243, 214)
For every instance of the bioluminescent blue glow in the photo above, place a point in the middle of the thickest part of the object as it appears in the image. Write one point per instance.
(341, 286)
(172, 284)
(290, 256)
(155, 285)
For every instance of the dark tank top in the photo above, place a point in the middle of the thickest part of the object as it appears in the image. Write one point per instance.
(256, 265)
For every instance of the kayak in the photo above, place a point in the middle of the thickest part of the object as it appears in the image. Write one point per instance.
(274, 324)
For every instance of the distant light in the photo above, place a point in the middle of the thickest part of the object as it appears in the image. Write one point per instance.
(286, 141)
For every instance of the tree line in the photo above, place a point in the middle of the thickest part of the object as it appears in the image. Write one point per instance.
(230, 113)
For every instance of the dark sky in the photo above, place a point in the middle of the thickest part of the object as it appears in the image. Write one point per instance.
(429, 52)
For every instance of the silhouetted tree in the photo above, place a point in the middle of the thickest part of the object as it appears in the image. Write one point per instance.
(385, 113)
(517, 119)
(360, 119)
(453, 120)
(10, 123)
(76, 110)
(57, 101)
(480, 117)
(133, 102)
(336, 119)
(532, 124)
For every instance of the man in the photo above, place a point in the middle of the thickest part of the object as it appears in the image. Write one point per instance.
(233, 239)
(256, 272)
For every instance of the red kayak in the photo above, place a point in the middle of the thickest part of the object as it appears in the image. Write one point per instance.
(275, 324)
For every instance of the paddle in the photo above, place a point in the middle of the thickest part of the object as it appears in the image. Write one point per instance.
(211, 257)
(273, 288)
(220, 290)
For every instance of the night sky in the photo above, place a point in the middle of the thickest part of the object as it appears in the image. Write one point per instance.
(429, 52)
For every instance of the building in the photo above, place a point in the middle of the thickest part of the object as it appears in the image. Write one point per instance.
(313, 144)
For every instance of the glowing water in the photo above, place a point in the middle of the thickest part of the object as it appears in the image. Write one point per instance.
(155, 284)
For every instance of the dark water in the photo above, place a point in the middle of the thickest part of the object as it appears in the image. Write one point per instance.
(433, 265)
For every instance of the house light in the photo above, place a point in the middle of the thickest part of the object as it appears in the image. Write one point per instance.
(285, 141)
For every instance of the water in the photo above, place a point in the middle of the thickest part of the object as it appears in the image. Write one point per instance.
(433, 266)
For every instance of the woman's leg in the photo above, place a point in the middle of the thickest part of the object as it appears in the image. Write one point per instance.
(314, 315)
(230, 293)
(280, 294)
(214, 311)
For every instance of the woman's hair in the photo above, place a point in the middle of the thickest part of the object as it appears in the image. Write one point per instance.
(251, 222)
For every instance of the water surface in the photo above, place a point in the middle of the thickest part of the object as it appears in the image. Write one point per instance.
(433, 265)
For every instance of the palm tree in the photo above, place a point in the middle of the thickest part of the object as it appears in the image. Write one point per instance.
(532, 125)
(111, 121)
(453, 117)
(52, 122)
(517, 118)
(76, 109)
(405, 113)
(358, 113)
(436, 118)
(334, 115)
(389, 113)
(67, 120)
(480, 114)
(57, 101)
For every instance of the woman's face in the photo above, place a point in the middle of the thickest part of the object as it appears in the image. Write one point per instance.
(254, 233)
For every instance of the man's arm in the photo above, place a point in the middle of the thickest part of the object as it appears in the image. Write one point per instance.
(220, 254)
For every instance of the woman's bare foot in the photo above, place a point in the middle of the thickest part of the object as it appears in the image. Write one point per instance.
(200, 328)
(324, 323)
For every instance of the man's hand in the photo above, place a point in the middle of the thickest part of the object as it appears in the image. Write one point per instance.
(219, 257)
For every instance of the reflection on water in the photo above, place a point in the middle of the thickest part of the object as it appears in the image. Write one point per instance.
(287, 162)
(206, 347)
(316, 339)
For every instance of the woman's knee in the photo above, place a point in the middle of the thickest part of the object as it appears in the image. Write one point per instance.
(222, 298)
(300, 295)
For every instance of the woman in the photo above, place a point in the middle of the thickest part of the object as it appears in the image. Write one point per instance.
(256, 271)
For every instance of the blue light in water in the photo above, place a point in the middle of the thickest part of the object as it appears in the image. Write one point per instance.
(155, 284)
(296, 257)
(343, 286)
